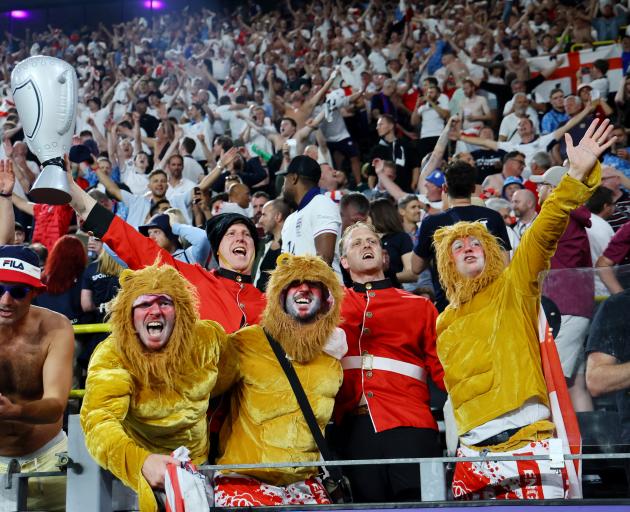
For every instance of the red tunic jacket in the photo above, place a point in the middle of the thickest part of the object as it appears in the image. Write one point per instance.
(225, 297)
(389, 323)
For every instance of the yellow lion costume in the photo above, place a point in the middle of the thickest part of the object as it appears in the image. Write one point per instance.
(265, 422)
(138, 402)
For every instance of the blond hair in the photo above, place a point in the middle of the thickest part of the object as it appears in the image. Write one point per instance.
(348, 233)
(108, 265)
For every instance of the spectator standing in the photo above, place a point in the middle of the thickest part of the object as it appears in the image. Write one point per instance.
(386, 221)
(314, 227)
(37, 344)
(391, 148)
(274, 213)
(382, 409)
(496, 416)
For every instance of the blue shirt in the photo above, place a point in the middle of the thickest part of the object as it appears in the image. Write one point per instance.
(553, 120)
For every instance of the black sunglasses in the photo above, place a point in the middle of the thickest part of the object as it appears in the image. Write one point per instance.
(17, 291)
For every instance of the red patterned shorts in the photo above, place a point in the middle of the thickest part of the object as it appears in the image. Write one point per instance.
(515, 479)
(235, 490)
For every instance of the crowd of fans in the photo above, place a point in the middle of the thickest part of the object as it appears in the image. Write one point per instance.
(409, 109)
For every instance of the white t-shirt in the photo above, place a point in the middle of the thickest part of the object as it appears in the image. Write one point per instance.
(335, 130)
(192, 169)
(100, 116)
(432, 122)
(137, 182)
(529, 150)
(509, 126)
(184, 186)
(599, 235)
(193, 129)
(319, 216)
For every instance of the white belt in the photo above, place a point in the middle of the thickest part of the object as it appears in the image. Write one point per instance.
(370, 362)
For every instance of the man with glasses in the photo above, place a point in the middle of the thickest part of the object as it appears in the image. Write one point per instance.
(513, 165)
(36, 347)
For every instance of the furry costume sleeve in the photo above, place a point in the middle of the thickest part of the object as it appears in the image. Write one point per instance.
(102, 414)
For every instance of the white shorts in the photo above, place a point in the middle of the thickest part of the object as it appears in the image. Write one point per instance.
(570, 344)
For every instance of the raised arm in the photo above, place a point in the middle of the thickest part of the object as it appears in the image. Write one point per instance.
(478, 141)
(573, 121)
(7, 219)
(390, 185)
(540, 241)
(208, 180)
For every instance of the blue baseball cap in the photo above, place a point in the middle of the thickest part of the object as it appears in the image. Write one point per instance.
(436, 177)
(511, 180)
(19, 264)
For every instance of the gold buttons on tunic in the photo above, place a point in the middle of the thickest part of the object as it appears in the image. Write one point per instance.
(372, 294)
(368, 286)
(369, 314)
(369, 394)
(367, 331)
(368, 374)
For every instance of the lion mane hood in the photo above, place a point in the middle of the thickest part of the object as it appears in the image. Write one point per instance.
(162, 368)
(301, 341)
(460, 289)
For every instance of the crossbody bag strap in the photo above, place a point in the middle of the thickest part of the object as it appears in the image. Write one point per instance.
(304, 404)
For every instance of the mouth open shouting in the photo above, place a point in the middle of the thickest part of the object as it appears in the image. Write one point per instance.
(303, 301)
(154, 320)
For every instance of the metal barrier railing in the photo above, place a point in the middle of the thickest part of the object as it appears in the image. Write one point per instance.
(91, 328)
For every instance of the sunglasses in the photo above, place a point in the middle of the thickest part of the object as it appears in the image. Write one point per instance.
(18, 291)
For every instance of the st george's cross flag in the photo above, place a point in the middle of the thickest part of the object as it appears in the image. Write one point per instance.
(565, 77)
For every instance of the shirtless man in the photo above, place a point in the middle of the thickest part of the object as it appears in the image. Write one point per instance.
(298, 108)
(36, 347)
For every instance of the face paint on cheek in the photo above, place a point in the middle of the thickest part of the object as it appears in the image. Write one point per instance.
(303, 305)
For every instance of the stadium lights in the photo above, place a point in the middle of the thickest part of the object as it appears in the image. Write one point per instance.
(153, 4)
(19, 14)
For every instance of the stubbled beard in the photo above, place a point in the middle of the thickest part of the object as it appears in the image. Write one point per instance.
(292, 309)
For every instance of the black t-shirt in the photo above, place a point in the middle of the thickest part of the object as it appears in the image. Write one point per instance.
(608, 334)
(396, 245)
(104, 287)
(67, 303)
(487, 162)
(267, 264)
(403, 155)
(424, 246)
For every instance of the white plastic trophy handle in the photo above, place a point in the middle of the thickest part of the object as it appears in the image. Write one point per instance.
(44, 90)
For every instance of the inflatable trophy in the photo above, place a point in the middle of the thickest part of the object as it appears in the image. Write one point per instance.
(44, 90)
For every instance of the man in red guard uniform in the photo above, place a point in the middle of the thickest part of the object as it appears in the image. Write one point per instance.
(227, 294)
(382, 410)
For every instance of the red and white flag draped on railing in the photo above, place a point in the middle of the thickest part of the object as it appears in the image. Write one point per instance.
(565, 76)
(562, 412)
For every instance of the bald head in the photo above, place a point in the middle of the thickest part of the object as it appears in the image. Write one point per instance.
(524, 204)
(239, 194)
